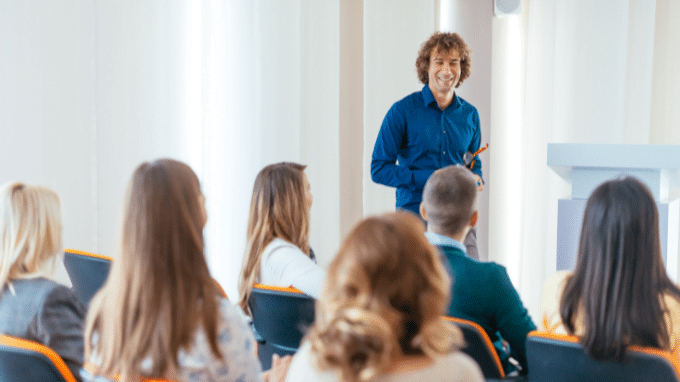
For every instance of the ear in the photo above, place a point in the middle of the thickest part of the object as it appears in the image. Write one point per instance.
(473, 219)
(422, 211)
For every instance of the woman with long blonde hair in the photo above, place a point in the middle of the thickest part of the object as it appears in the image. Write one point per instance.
(277, 248)
(33, 305)
(380, 315)
(160, 313)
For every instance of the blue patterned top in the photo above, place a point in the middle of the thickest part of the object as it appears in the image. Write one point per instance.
(198, 363)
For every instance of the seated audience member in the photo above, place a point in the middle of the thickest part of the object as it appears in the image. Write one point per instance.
(482, 291)
(618, 294)
(159, 314)
(277, 247)
(380, 315)
(32, 306)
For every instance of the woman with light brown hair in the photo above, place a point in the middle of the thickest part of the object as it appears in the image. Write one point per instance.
(160, 314)
(380, 315)
(277, 247)
(33, 305)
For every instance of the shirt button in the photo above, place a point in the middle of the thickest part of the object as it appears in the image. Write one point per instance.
(444, 152)
(444, 132)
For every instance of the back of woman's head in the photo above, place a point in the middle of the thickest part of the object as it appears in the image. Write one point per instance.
(619, 279)
(278, 209)
(30, 231)
(160, 287)
(384, 296)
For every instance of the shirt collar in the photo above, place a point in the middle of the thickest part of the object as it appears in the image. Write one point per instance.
(441, 240)
(428, 97)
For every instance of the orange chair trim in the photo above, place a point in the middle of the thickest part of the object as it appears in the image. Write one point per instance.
(77, 252)
(653, 351)
(485, 337)
(660, 353)
(277, 288)
(221, 290)
(553, 336)
(42, 349)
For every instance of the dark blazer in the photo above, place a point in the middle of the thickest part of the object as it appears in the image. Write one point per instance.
(483, 293)
(47, 312)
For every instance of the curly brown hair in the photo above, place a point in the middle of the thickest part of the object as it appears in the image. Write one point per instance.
(385, 294)
(443, 42)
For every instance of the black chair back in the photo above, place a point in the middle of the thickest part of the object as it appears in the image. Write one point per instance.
(22, 360)
(87, 272)
(479, 347)
(281, 317)
(559, 358)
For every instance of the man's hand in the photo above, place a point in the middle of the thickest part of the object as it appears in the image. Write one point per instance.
(480, 184)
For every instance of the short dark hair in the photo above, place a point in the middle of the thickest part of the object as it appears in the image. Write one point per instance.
(449, 198)
(619, 282)
(443, 42)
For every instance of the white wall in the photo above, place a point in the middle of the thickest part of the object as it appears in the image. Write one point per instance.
(46, 107)
(393, 32)
(472, 21)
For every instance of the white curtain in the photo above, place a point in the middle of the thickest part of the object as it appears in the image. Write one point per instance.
(269, 94)
(568, 71)
(91, 89)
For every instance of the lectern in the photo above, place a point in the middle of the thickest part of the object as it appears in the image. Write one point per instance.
(586, 166)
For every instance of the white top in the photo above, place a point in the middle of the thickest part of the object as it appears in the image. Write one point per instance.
(198, 363)
(453, 367)
(284, 264)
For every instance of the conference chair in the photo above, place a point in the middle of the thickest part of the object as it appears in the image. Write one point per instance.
(479, 347)
(281, 317)
(221, 290)
(87, 272)
(22, 360)
(560, 358)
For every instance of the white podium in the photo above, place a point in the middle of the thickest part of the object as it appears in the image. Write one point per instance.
(586, 166)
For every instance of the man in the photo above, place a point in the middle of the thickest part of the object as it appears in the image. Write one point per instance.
(429, 129)
(482, 292)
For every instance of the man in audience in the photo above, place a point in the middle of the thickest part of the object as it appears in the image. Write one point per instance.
(482, 292)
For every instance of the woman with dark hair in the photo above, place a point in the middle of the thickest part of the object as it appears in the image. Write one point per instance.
(619, 293)
(380, 318)
(277, 247)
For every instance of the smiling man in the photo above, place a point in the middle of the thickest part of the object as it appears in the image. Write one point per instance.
(429, 129)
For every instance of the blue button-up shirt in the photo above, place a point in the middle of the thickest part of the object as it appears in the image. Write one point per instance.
(417, 137)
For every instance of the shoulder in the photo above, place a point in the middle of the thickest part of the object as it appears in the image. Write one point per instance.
(556, 282)
(50, 294)
(672, 307)
(482, 271)
(38, 286)
(231, 316)
(489, 271)
(408, 103)
(237, 347)
(280, 249)
(278, 244)
(466, 369)
(62, 295)
(452, 253)
(413, 97)
(466, 105)
(303, 368)
(550, 319)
